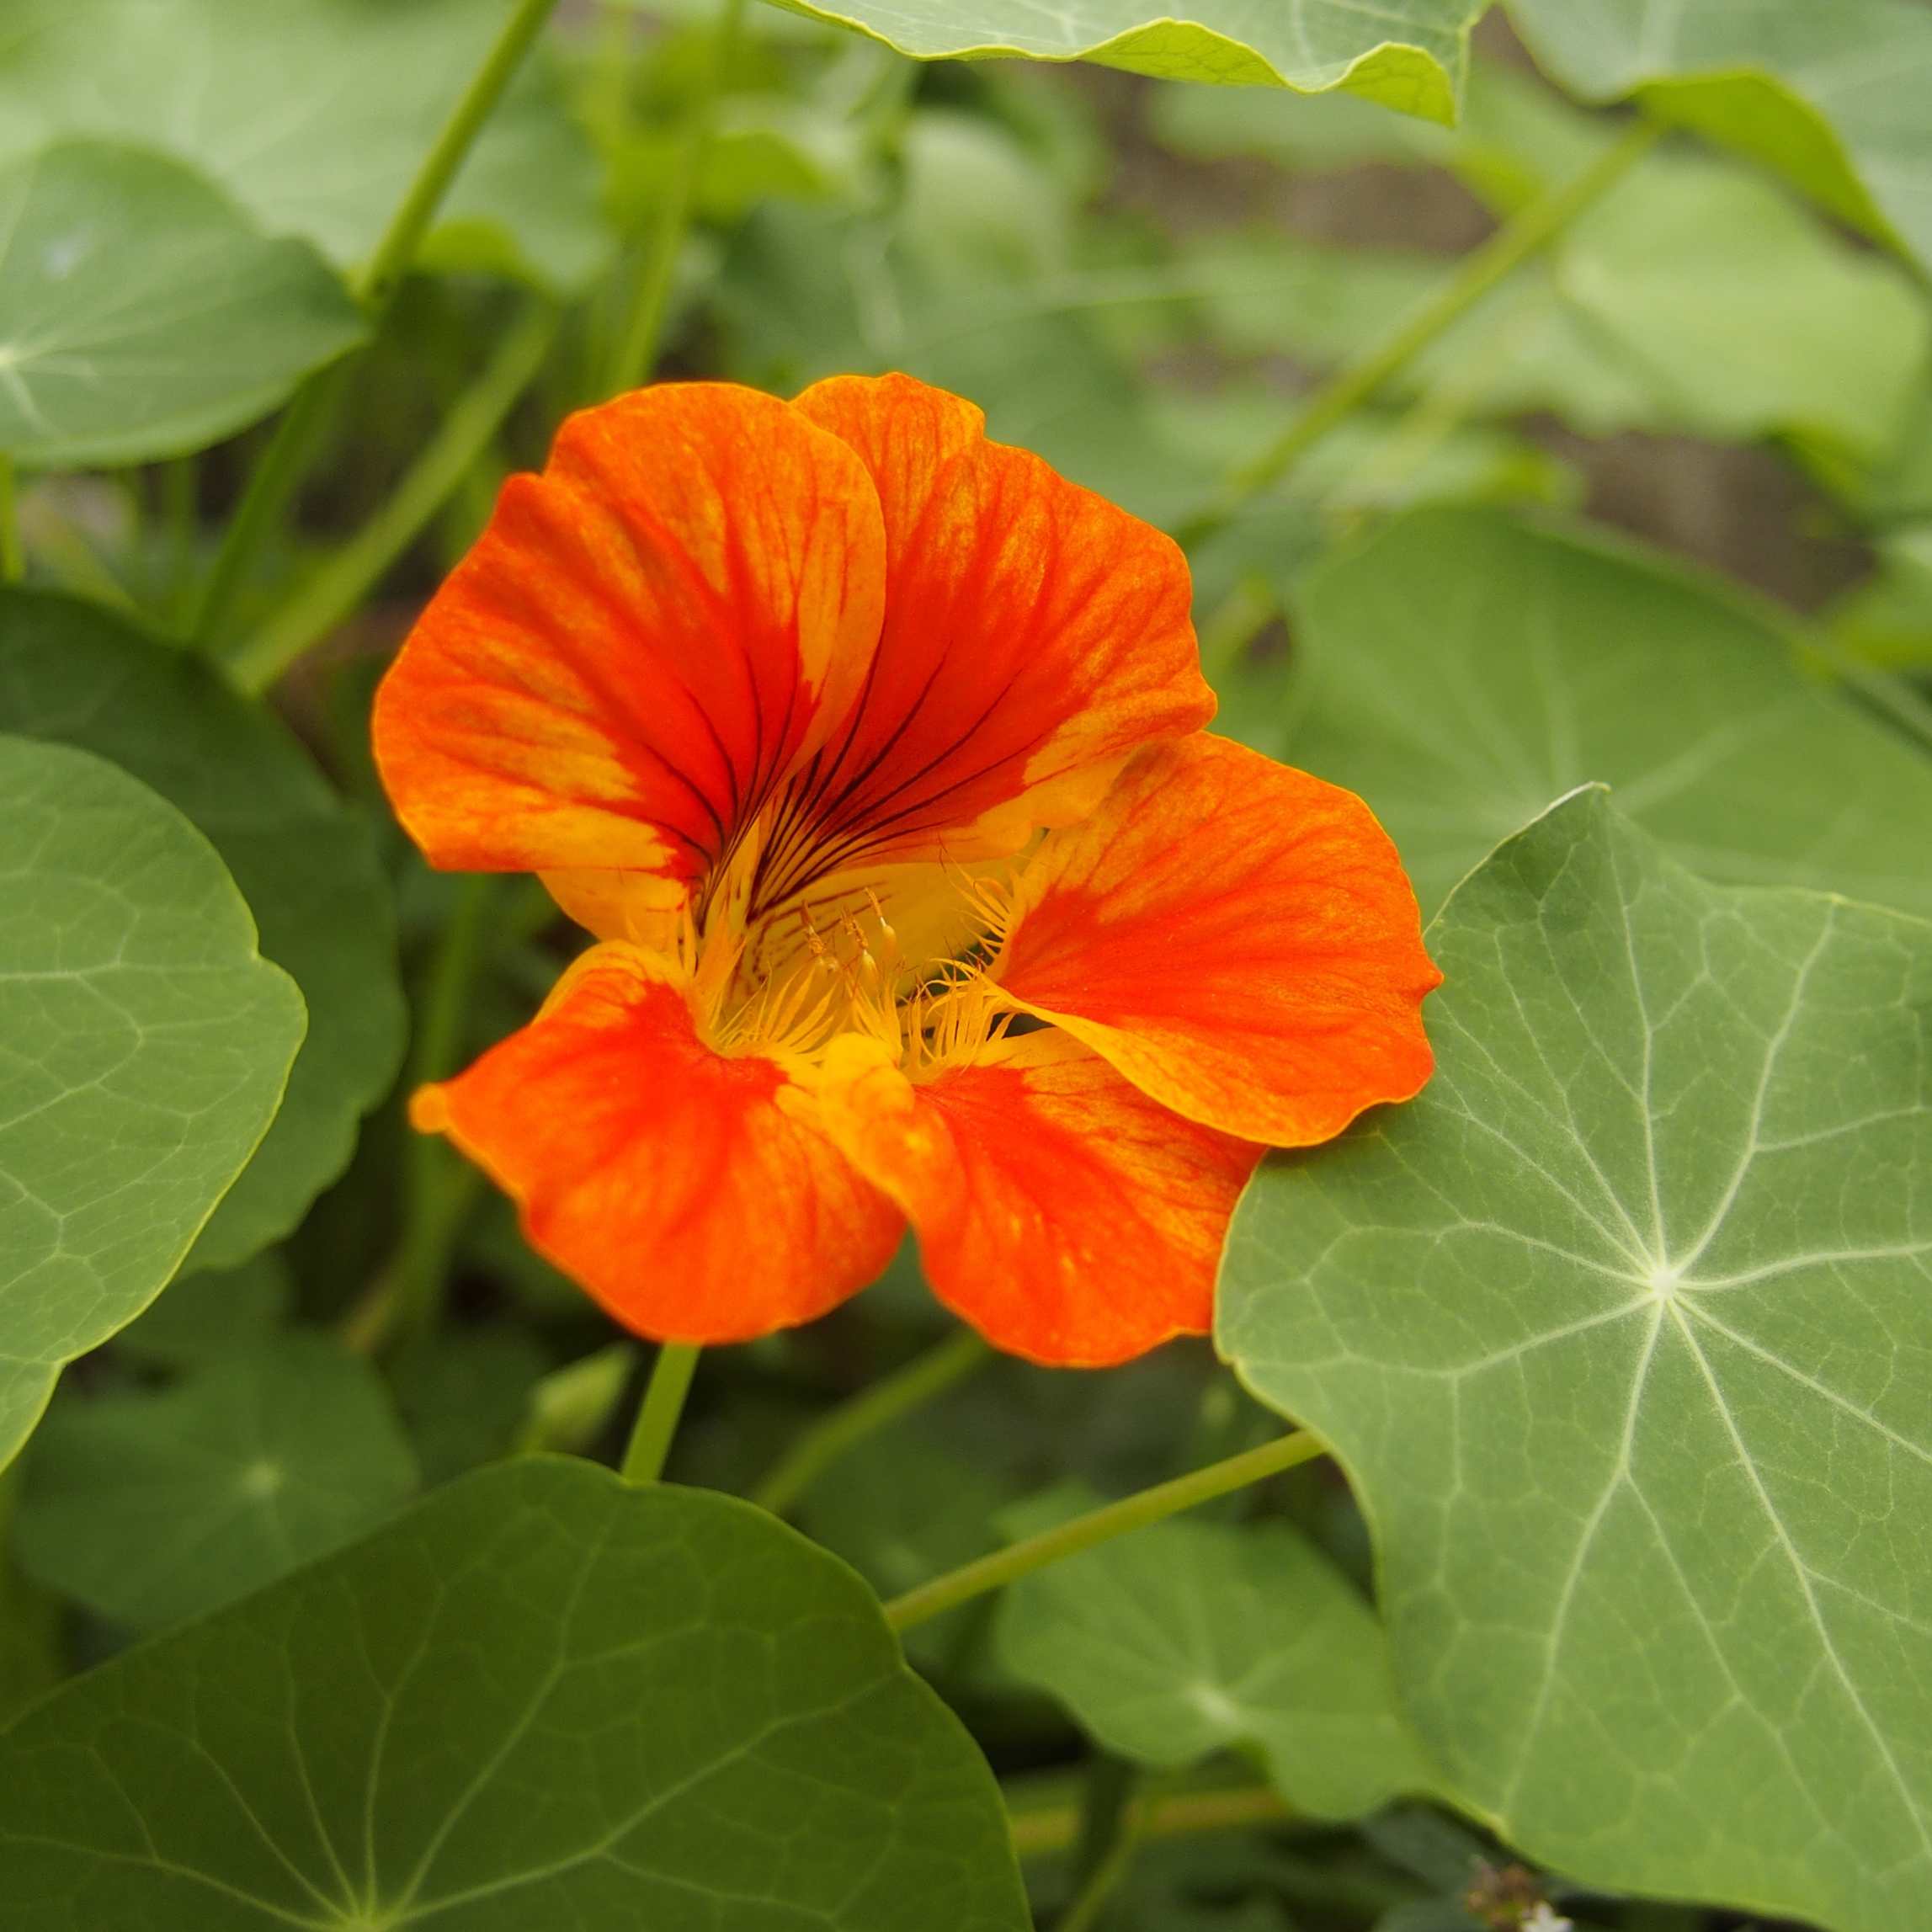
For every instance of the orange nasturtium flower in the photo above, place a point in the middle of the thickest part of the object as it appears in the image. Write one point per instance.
(870, 752)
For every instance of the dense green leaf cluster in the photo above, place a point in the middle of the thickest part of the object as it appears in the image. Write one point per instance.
(1615, 1585)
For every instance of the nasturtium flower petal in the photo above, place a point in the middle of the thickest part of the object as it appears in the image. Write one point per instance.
(856, 739)
(1034, 635)
(1237, 938)
(1066, 1216)
(645, 641)
(686, 1190)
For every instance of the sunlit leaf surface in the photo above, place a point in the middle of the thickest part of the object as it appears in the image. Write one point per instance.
(144, 1044)
(315, 116)
(1619, 1332)
(142, 314)
(1833, 97)
(1408, 54)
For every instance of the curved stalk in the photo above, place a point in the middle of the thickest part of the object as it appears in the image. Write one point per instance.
(1524, 236)
(818, 1447)
(994, 1571)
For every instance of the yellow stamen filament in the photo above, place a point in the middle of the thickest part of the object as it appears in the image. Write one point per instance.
(790, 980)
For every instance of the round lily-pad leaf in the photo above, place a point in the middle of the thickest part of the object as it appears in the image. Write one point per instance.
(144, 1046)
(153, 1506)
(541, 1698)
(306, 864)
(1620, 1331)
(142, 314)
(315, 115)
(1188, 1638)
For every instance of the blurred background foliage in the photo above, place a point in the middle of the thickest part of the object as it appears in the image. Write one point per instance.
(1135, 279)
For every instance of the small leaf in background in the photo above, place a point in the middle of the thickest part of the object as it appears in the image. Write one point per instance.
(569, 1409)
(306, 865)
(315, 116)
(212, 1315)
(142, 314)
(153, 1506)
(441, 1726)
(1695, 298)
(1188, 1638)
(1619, 1332)
(144, 1046)
(1465, 668)
(1408, 55)
(1831, 97)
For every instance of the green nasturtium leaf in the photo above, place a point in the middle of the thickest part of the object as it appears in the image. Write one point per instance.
(315, 115)
(1831, 97)
(1188, 1637)
(1465, 667)
(151, 1506)
(1619, 1331)
(1695, 298)
(212, 1316)
(305, 864)
(541, 1698)
(1408, 55)
(144, 1044)
(142, 314)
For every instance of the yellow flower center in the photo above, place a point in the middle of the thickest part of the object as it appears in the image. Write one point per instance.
(830, 965)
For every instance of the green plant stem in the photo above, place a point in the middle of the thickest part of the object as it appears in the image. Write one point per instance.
(818, 1447)
(642, 327)
(265, 500)
(406, 1299)
(1040, 1831)
(374, 287)
(657, 1414)
(13, 557)
(335, 591)
(1083, 1911)
(273, 483)
(1482, 269)
(991, 1573)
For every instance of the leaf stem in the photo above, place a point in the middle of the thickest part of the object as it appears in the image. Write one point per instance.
(1039, 1831)
(898, 1394)
(640, 333)
(657, 1414)
(380, 276)
(373, 286)
(404, 1301)
(13, 556)
(334, 591)
(1483, 269)
(1116, 1853)
(1002, 1567)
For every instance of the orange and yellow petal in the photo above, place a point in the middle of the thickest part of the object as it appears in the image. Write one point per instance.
(683, 1189)
(644, 642)
(1034, 636)
(1237, 938)
(1066, 1216)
